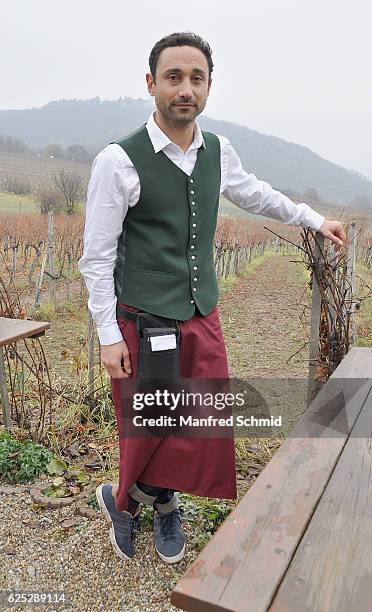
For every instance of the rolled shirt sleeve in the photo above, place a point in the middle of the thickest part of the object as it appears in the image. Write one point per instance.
(258, 197)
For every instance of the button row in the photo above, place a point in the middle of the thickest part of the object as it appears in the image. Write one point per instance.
(193, 203)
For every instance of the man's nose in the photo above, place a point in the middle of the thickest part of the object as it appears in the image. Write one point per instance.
(185, 90)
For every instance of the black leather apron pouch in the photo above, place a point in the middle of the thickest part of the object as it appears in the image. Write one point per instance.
(162, 365)
(158, 371)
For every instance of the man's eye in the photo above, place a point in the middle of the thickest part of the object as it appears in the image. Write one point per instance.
(173, 77)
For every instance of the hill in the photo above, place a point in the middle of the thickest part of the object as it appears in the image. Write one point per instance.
(94, 123)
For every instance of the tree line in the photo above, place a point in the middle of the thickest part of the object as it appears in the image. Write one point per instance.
(75, 152)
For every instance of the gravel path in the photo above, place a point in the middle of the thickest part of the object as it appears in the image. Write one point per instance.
(261, 329)
(34, 558)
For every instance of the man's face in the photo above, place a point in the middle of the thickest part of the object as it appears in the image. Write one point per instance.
(182, 83)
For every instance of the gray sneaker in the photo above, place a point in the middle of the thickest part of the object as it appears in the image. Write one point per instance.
(169, 536)
(122, 523)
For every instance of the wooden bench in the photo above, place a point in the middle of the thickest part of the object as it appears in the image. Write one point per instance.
(301, 537)
(12, 330)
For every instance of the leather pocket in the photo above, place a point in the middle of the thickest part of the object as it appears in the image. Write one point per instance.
(155, 365)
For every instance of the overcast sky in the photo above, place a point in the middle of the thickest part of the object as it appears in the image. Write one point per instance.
(297, 69)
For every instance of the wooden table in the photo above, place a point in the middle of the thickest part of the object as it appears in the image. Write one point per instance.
(12, 330)
(301, 538)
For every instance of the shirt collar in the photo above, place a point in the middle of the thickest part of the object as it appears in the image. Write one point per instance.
(160, 140)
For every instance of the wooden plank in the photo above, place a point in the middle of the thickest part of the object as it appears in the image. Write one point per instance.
(242, 565)
(332, 569)
(12, 330)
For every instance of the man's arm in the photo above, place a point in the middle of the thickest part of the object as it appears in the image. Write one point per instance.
(107, 205)
(253, 195)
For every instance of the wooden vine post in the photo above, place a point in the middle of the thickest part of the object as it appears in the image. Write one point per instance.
(40, 281)
(351, 275)
(52, 282)
(7, 419)
(313, 384)
(90, 354)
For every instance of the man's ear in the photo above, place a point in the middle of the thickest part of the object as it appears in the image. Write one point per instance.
(150, 84)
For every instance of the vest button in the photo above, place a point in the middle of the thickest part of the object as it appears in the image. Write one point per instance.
(193, 214)
(191, 180)
(192, 256)
(195, 267)
(192, 246)
(191, 301)
(194, 288)
(193, 203)
(194, 224)
(194, 235)
(192, 192)
(195, 279)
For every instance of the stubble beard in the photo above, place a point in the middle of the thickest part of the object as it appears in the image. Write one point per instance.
(181, 118)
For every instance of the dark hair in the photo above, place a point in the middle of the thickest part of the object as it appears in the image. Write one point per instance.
(179, 39)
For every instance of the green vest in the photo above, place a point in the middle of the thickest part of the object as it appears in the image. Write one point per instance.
(164, 261)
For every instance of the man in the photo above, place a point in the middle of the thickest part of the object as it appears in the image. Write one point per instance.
(150, 220)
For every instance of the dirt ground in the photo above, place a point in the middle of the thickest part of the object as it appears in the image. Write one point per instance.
(263, 333)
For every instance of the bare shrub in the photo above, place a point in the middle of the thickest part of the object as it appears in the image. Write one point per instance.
(71, 186)
(14, 183)
(50, 199)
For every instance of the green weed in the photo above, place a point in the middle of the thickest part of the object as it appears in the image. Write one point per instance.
(43, 312)
(205, 514)
(21, 461)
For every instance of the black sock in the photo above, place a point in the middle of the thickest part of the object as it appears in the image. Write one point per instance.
(132, 505)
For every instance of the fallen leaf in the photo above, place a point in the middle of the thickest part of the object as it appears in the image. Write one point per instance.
(60, 492)
(72, 450)
(56, 466)
(57, 482)
(70, 522)
(22, 314)
(75, 490)
(257, 466)
(96, 465)
(253, 472)
(12, 455)
(82, 477)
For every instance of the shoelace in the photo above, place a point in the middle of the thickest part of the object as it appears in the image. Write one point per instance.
(125, 528)
(168, 523)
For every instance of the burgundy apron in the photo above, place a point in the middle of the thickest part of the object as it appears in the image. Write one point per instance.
(199, 466)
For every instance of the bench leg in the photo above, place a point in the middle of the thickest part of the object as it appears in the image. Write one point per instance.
(7, 421)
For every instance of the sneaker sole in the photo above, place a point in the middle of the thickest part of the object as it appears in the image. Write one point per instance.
(174, 559)
(107, 516)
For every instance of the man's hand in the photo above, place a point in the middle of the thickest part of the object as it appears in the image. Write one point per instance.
(113, 355)
(335, 232)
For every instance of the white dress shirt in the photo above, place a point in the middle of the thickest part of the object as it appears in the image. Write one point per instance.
(114, 187)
